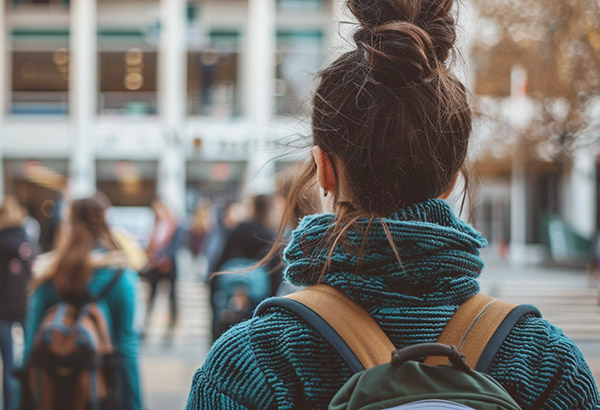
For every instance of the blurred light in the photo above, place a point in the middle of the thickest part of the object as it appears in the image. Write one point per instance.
(48, 208)
(134, 56)
(209, 58)
(134, 81)
(221, 171)
(134, 62)
(129, 177)
(61, 57)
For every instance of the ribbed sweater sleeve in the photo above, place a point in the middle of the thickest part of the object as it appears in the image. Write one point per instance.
(231, 378)
(542, 369)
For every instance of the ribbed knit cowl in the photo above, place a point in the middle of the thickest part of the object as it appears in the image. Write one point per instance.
(437, 263)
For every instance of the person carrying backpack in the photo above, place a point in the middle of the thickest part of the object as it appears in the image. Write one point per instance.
(390, 129)
(81, 348)
(235, 296)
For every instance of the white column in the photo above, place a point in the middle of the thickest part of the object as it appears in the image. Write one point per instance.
(172, 77)
(82, 97)
(259, 66)
(4, 61)
(582, 195)
(519, 118)
(466, 37)
(518, 209)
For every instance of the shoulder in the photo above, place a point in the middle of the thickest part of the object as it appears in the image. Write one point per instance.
(544, 369)
(231, 373)
(44, 290)
(280, 356)
(128, 278)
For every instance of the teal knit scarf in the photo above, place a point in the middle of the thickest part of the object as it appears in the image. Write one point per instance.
(439, 256)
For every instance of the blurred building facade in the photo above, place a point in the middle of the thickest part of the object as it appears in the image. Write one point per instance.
(145, 98)
(182, 99)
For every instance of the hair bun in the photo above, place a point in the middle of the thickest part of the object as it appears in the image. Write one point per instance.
(406, 40)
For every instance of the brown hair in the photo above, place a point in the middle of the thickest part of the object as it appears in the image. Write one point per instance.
(393, 109)
(85, 229)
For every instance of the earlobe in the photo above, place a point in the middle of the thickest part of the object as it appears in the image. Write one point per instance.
(325, 173)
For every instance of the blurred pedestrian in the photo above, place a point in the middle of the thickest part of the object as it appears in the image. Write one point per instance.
(16, 255)
(234, 295)
(198, 232)
(228, 216)
(391, 125)
(86, 267)
(162, 264)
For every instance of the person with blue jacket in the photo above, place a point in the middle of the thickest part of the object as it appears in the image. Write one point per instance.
(390, 134)
(85, 263)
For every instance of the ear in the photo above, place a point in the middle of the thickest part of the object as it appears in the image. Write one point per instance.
(448, 191)
(325, 174)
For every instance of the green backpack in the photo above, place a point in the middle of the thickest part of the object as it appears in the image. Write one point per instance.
(453, 374)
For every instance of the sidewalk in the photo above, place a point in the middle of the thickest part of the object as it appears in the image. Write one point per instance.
(564, 296)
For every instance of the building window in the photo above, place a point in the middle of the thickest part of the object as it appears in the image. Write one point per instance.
(127, 76)
(213, 76)
(299, 58)
(40, 82)
(41, 2)
(300, 4)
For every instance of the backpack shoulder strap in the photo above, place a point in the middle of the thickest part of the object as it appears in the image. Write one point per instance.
(479, 327)
(346, 325)
(104, 292)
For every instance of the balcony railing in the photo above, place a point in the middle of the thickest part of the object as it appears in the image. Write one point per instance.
(127, 103)
(39, 103)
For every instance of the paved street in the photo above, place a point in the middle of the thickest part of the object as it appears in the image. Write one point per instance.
(167, 367)
(563, 296)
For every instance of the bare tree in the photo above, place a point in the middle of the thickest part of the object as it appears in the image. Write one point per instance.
(558, 43)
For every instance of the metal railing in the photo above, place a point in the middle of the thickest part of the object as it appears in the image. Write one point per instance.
(39, 103)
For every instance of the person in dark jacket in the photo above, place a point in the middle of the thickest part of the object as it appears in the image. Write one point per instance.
(249, 241)
(16, 254)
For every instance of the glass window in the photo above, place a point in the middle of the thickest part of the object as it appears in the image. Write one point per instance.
(299, 58)
(36, 2)
(40, 82)
(127, 73)
(213, 76)
(300, 4)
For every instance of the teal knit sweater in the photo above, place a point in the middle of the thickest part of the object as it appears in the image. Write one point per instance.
(277, 362)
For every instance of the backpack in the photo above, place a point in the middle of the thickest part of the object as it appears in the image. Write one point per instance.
(453, 374)
(236, 295)
(73, 364)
